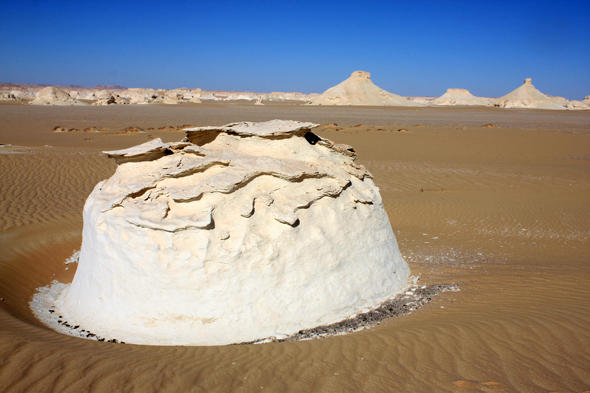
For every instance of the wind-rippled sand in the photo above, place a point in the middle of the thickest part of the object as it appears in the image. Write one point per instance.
(504, 210)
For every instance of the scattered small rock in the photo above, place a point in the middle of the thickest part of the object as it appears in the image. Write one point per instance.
(131, 130)
(489, 126)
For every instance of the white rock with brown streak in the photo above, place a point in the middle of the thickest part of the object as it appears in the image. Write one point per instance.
(240, 232)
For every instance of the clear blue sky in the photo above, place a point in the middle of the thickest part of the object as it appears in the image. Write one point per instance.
(410, 47)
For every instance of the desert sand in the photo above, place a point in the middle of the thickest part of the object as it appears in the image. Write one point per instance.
(494, 199)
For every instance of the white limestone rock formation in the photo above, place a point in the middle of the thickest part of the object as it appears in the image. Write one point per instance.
(586, 100)
(103, 95)
(461, 97)
(578, 105)
(173, 97)
(14, 95)
(527, 96)
(291, 96)
(52, 95)
(421, 99)
(360, 90)
(239, 232)
(142, 96)
(193, 95)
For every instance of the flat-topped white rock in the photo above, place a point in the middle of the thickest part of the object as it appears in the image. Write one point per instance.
(461, 97)
(52, 95)
(237, 233)
(358, 89)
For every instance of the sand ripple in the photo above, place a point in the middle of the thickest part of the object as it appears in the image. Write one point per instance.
(56, 179)
(517, 233)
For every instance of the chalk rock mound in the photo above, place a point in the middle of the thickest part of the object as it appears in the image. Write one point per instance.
(142, 96)
(527, 96)
(52, 95)
(461, 97)
(105, 97)
(360, 90)
(14, 95)
(237, 233)
(578, 105)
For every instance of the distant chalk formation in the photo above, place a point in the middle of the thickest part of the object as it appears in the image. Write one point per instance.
(14, 95)
(358, 89)
(105, 97)
(527, 96)
(52, 95)
(461, 97)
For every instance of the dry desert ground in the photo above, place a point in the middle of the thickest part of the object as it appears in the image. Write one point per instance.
(495, 200)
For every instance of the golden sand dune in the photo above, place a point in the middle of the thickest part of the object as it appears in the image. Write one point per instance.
(504, 210)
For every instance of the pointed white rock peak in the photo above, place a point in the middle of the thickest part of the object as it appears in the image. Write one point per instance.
(527, 96)
(240, 232)
(358, 89)
(461, 97)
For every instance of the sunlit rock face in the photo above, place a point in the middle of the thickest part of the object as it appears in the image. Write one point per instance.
(358, 89)
(461, 97)
(238, 233)
(52, 95)
(527, 96)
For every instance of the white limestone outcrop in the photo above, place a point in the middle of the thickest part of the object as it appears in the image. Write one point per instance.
(527, 96)
(52, 95)
(461, 97)
(237, 233)
(141, 95)
(14, 95)
(358, 89)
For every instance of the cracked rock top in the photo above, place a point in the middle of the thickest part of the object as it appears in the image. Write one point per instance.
(179, 185)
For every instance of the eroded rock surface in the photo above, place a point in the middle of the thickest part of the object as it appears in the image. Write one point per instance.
(527, 96)
(237, 233)
(461, 97)
(358, 89)
(52, 95)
